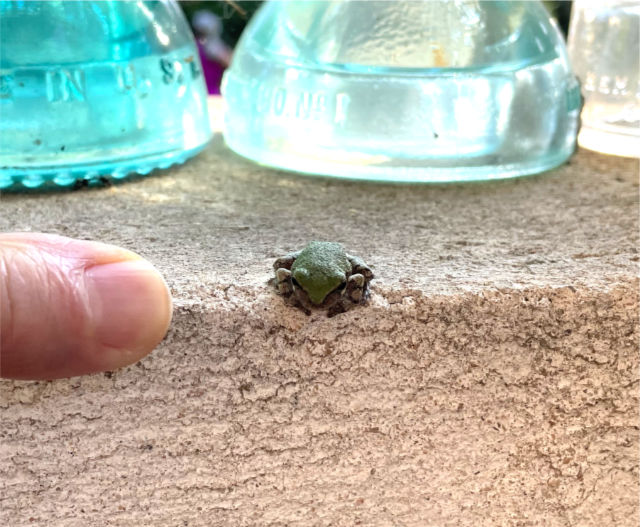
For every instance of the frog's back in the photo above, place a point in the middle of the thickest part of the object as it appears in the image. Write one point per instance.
(327, 256)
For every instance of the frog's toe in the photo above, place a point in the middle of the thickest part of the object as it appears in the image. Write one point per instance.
(283, 281)
(285, 262)
(359, 267)
(355, 287)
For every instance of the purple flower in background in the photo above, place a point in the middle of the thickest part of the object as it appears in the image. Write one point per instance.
(215, 55)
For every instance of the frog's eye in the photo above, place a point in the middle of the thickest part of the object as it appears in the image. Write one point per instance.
(341, 286)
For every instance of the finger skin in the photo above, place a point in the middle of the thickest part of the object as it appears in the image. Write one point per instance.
(71, 307)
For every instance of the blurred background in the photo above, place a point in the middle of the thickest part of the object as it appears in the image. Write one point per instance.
(218, 25)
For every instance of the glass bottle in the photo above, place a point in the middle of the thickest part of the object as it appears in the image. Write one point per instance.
(411, 91)
(96, 89)
(605, 53)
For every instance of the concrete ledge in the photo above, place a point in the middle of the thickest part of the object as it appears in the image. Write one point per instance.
(492, 380)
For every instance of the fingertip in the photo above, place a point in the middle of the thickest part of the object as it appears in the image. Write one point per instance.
(70, 307)
(131, 311)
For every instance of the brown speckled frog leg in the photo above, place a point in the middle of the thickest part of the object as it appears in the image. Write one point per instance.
(358, 282)
(282, 269)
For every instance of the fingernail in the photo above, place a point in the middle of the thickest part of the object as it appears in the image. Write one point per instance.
(130, 306)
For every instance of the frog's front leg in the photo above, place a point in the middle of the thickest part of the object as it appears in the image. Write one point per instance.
(285, 262)
(359, 267)
(284, 285)
(357, 289)
(282, 268)
(358, 283)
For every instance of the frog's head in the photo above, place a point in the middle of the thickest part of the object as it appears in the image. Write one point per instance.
(318, 282)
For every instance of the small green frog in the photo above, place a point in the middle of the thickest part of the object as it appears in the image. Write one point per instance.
(323, 275)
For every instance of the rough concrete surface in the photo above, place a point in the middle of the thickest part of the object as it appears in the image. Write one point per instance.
(492, 379)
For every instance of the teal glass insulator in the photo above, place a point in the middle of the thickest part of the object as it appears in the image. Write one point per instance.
(96, 89)
(403, 91)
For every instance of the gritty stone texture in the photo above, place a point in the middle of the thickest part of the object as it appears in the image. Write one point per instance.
(491, 380)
